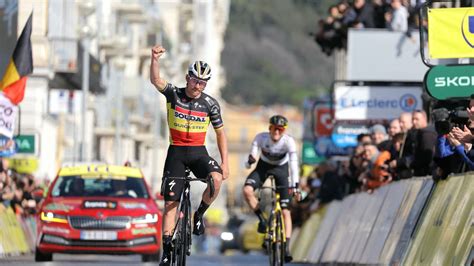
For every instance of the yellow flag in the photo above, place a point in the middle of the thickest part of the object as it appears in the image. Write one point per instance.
(451, 32)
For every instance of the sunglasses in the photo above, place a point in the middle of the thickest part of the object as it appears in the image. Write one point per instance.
(197, 81)
(275, 128)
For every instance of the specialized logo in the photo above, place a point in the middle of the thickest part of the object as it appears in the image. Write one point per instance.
(171, 184)
(408, 102)
(467, 27)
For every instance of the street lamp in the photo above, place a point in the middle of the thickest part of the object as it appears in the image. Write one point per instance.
(86, 8)
(120, 66)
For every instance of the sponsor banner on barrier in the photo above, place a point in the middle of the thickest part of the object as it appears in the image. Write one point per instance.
(12, 237)
(325, 231)
(385, 219)
(373, 206)
(330, 253)
(451, 32)
(447, 221)
(350, 231)
(310, 228)
(406, 235)
(413, 187)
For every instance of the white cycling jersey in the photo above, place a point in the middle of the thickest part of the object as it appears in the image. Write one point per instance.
(277, 153)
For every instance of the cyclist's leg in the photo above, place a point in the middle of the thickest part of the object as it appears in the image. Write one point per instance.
(171, 190)
(254, 181)
(202, 165)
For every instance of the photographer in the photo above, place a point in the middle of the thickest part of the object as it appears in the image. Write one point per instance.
(454, 128)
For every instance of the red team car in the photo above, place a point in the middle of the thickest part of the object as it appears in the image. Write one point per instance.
(99, 209)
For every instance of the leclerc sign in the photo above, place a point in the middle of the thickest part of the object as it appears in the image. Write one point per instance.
(375, 102)
(444, 82)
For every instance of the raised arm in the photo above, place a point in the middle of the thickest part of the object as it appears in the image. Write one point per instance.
(155, 78)
(222, 145)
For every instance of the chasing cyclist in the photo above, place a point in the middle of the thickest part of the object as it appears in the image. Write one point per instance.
(278, 150)
(190, 111)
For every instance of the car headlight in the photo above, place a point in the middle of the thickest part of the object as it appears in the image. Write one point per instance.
(53, 217)
(147, 219)
(227, 236)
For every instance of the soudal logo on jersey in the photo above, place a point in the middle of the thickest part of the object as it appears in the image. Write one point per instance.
(189, 117)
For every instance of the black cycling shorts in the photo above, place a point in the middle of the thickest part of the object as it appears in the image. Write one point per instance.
(280, 173)
(194, 157)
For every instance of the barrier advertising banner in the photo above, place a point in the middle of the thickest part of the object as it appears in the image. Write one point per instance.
(451, 32)
(375, 102)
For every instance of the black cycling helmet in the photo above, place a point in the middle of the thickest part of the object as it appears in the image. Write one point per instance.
(200, 70)
(278, 120)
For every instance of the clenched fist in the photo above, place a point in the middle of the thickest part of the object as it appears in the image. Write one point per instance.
(157, 52)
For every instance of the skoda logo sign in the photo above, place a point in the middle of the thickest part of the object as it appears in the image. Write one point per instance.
(445, 82)
(467, 28)
(408, 102)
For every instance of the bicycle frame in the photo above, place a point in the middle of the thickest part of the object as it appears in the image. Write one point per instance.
(276, 234)
(181, 239)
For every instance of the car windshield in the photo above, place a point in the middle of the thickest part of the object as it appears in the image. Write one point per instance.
(94, 186)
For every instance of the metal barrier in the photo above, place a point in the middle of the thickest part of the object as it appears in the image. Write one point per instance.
(445, 233)
(409, 222)
(304, 240)
(12, 235)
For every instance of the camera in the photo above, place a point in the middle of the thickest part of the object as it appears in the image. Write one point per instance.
(445, 120)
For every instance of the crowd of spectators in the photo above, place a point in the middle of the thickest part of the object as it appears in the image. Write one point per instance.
(395, 15)
(18, 191)
(408, 147)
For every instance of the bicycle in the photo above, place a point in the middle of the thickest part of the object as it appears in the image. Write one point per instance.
(181, 239)
(275, 239)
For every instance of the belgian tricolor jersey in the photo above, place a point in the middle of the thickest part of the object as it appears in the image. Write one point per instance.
(188, 118)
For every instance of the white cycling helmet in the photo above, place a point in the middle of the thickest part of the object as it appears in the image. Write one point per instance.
(200, 69)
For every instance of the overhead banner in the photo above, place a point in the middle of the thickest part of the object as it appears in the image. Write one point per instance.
(8, 113)
(375, 102)
(451, 32)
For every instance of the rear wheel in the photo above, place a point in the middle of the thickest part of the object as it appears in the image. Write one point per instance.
(40, 256)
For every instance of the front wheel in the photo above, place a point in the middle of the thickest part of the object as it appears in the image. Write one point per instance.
(276, 245)
(182, 241)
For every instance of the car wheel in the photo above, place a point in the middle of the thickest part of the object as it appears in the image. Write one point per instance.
(39, 256)
(151, 257)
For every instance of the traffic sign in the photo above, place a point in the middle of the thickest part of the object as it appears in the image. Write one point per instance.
(446, 82)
